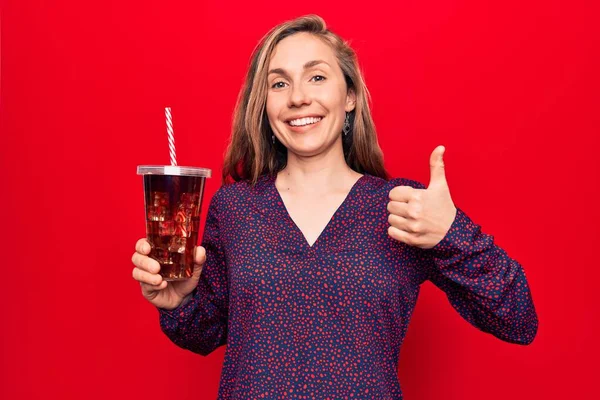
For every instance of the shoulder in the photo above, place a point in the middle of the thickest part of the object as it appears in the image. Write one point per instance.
(239, 192)
(233, 189)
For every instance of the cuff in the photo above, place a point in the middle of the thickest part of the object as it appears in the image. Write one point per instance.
(458, 239)
(182, 312)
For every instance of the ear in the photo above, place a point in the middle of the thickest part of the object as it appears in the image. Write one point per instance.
(350, 100)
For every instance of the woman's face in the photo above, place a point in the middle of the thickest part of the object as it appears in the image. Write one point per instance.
(305, 80)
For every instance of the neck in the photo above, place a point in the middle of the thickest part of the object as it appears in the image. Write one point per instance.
(322, 173)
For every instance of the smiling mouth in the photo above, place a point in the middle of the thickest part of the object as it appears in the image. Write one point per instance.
(309, 124)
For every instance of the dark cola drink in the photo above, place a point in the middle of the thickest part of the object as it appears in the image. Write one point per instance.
(173, 200)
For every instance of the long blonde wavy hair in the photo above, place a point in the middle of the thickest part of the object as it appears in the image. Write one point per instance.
(251, 153)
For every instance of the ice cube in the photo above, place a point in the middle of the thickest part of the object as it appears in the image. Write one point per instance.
(159, 254)
(166, 228)
(160, 199)
(190, 204)
(177, 244)
(157, 213)
(189, 200)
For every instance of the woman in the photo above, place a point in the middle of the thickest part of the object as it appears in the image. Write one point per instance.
(311, 260)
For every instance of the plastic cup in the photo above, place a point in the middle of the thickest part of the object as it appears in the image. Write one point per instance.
(173, 200)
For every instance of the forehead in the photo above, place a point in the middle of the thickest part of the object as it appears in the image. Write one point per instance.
(295, 50)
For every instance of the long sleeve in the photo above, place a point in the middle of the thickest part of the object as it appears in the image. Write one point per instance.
(487, 287)
(200, 325)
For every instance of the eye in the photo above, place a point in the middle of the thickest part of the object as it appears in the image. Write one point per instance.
(319, 76)
(274, 86)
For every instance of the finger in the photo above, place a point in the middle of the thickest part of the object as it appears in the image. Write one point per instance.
(145, 263)
(148, 289)
(403, 224)
(401, 236)
(199, 255)
(399, 208)
(401, 193)
(142, 246)
(409, 211)
(146, 277)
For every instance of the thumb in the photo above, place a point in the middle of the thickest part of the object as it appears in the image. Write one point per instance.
(199, 260)
(436, 166)
(199, 255)
(197, 272)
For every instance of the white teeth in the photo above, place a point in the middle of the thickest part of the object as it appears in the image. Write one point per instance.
(304, 121)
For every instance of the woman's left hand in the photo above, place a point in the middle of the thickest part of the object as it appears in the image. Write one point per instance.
(422, 217)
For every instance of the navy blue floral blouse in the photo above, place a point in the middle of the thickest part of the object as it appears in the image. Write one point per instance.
(327, 321)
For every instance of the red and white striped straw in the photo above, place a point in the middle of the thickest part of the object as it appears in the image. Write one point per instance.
(171, 136)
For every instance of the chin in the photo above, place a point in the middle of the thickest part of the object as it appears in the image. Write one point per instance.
(308, 150)
(307, 146)
(304, 151)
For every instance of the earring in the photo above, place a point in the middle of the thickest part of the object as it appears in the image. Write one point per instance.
(273, 138)
(346, 128)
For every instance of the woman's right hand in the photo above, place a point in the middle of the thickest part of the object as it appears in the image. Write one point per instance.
(160, 293)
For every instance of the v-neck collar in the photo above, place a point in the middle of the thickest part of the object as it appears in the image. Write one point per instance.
(271, 204)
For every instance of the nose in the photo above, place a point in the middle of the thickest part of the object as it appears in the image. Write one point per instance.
(298, 96)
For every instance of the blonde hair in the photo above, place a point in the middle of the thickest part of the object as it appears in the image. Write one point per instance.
(251, 153)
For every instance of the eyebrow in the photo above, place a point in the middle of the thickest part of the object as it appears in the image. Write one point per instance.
(306, 66)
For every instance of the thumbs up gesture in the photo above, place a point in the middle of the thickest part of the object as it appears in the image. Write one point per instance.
(422, 217)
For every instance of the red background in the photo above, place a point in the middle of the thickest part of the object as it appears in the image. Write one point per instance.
(510, 88)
